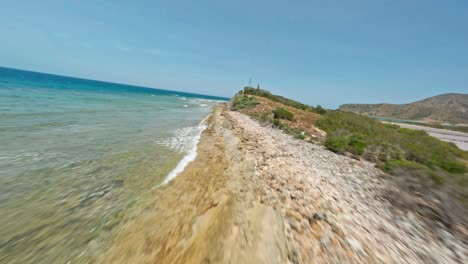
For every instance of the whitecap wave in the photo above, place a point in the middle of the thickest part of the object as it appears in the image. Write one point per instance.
(182, 139)
(185, 140)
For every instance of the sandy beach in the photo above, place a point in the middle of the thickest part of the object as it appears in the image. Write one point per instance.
(256, 195)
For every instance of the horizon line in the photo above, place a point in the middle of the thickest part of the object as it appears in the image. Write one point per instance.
(118, 83)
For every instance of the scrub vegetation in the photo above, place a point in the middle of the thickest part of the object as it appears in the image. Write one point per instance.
(281, 113)
(282, 100)
(242, 101)
(393, 149)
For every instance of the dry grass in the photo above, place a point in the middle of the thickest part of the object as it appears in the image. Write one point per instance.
(302, 120)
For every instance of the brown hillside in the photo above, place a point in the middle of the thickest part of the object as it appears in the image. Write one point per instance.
(445, 108)
(303, 120)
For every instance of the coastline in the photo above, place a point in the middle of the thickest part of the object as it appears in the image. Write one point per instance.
(62, 200)
(191, 155)
(253, 194)
(201, 214)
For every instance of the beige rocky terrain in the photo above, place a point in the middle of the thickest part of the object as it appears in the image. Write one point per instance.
(257, 195)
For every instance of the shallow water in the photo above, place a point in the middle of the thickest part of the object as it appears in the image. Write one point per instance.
(76, 155)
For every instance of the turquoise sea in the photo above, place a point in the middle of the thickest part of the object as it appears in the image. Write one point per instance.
(77, 155)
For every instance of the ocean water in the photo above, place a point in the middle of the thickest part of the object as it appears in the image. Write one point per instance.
(77, 155)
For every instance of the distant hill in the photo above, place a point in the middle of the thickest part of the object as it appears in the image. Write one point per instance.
(446, 108)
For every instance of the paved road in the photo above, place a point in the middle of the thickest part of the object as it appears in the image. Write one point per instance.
(459, 138)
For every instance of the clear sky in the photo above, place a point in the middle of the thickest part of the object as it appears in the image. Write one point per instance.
(319, 52)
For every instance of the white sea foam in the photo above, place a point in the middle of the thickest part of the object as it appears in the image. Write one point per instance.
(185, 140)
(203, 100)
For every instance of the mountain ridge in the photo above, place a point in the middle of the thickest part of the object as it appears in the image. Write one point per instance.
(445, 108)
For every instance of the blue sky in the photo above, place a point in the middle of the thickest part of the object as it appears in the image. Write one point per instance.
(319, 52)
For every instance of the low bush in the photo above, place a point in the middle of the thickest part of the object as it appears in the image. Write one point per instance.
(281, 113)
(392, 147)
(269, 119)
(354, 143)
(242, 101)
(277, 123)
(283, 100)
(318, 110)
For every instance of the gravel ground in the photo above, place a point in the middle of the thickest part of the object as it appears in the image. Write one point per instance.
(332, 205)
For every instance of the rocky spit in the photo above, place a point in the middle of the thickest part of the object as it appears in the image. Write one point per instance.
(278, 200)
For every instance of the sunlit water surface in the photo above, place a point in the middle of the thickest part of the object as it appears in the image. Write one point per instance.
(76, 155)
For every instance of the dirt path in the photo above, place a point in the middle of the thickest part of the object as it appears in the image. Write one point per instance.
(256, 195)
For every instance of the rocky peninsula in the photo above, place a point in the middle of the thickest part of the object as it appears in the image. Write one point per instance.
(257, 195)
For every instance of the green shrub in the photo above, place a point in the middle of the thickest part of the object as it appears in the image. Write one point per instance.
(450, 166)
(300, 136)
(383, 152)
(277, 123)
(320, 110)
(336, 144)
(282, 100)
(354, 143)
(391, 165)
(391, 146)
(449, 127)
(293, 131)
(403, 166)
(242, 101)
(281, 113)
(357, 142)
